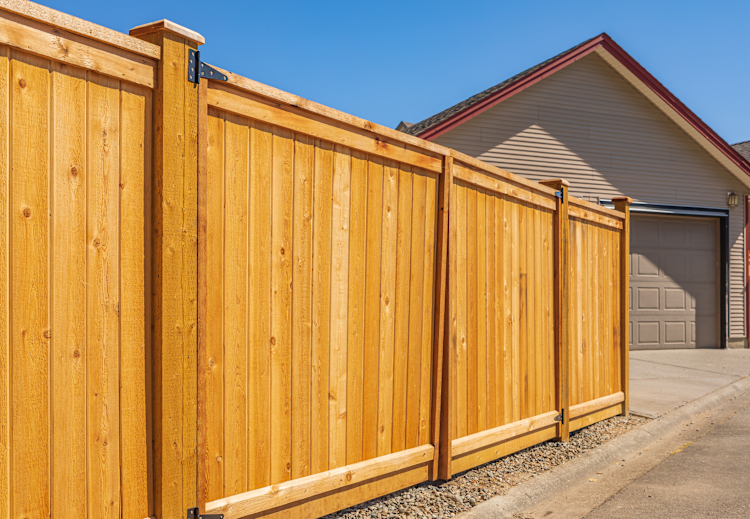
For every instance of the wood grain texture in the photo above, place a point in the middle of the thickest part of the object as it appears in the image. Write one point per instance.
(236, 277)
(68, 292)
(30, 319)
(135, 104)
(78, 26)
(304, 156)
(402, 307)
(358, 248)
(339, 306)
(258, 345)
(5, 287)
(282, 206)
(174, 275)
(60, 45)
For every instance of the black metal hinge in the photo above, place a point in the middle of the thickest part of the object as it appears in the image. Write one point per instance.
(192, 513)
(560, 417)
(197, 69)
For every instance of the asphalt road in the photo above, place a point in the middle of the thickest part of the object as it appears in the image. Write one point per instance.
(709, 477)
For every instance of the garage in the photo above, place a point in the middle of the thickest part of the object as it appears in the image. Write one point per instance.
(674, 282)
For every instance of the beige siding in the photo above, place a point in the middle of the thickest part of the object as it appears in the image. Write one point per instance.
(590, 126)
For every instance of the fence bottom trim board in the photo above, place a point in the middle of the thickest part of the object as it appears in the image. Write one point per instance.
(501, 434)
(498, 450)
(579, 410)
(327, 492)
(598, 416)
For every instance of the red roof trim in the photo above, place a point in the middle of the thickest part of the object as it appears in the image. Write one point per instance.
(623, 57)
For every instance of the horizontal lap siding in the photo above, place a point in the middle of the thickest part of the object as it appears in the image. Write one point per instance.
(504, 272)
(72, 277)
(595, 306)
(587, 124)
(326, 259)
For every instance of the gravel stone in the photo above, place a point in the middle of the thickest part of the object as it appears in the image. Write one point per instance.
(441, 500)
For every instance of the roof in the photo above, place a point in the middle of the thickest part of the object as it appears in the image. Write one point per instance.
(430, 122)
(743, 148)
(624, 64)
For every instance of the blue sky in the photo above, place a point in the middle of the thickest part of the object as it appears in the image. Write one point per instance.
(387, 60)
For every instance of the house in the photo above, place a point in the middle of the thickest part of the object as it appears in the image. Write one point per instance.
(594, 116)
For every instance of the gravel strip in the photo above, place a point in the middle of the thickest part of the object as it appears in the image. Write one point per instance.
(441, 500)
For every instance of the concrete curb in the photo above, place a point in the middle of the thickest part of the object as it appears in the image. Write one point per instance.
(542, 487)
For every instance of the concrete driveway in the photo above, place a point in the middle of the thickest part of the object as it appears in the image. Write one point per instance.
(663, 380)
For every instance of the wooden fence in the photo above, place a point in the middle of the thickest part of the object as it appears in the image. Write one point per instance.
(223, 295)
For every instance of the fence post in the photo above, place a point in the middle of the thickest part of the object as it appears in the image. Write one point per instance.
(174, 270)
(562, 308)
(622, 204)
(445, 344)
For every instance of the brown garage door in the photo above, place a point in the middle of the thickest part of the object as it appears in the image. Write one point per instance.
(674, 291)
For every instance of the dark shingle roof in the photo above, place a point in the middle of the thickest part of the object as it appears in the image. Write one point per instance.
(428, 123)
(743, 148)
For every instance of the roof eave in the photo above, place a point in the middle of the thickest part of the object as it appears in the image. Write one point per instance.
(601, 43)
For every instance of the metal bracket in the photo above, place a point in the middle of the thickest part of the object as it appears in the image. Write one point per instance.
(197, 69)
(560, 417)
(559, 194)
(192, 513)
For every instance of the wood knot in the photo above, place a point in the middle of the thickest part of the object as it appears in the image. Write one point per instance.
(76, 354)
(388, 209)
(27, 212)
(218, 459)
(282, 251)
(288, 466)
(47, 334)
(273, 340)
(387, 301)
(348, 476)
(382, 428)
(74, 171)
(22, 83)
(211, 362)
(97, 242)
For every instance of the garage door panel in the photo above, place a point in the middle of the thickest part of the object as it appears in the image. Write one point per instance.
(673, 282)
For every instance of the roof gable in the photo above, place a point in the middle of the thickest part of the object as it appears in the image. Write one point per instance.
(626, 66)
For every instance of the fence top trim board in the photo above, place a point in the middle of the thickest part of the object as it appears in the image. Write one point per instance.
(286, 98)
(170, 26)
(81, 27)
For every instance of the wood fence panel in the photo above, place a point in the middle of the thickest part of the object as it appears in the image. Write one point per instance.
(328, 269)
(73, 400)
(503, 275)
(595, 273)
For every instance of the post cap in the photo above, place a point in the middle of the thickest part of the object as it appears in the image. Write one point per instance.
(166, 25)
(625, 199)
(555, 182)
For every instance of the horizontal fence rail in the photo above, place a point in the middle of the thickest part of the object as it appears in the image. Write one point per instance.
(221, 294)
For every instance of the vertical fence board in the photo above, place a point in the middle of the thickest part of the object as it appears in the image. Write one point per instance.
(339, 306)
(358, 247)
(135, 103)
(282, 205)
(462, 384)
(515, 277)
(103, 296)
(472, 302)
(214, 406)
(403, 276)
(430, 340)
(259, 410)
(387, 307)
(480, 374)
(416, 313)
(304, 156)
(5, 287)
(68, 290)
(322, 193)
(371, 384)
(236, 375)
(491, 261)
